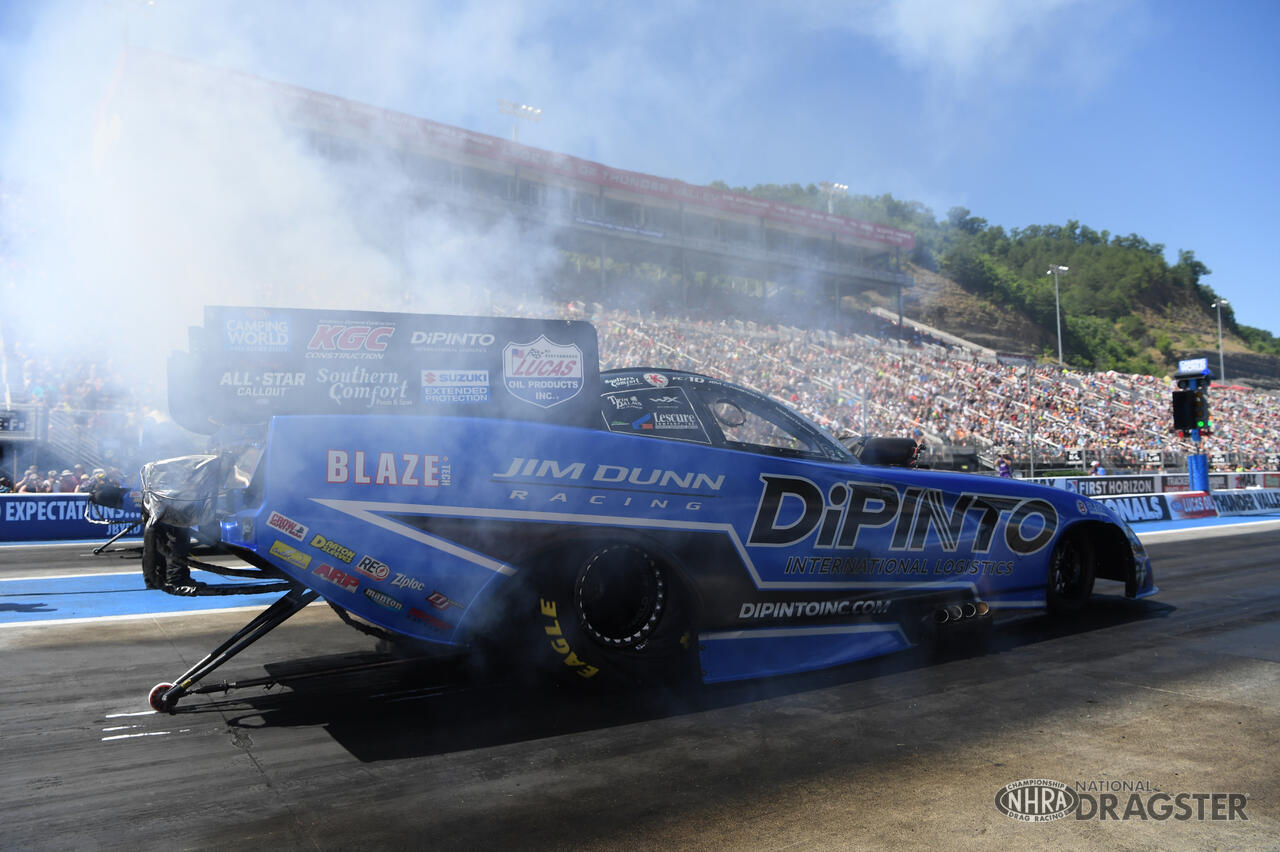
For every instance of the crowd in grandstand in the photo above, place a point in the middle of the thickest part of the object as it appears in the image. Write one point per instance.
(859, 379)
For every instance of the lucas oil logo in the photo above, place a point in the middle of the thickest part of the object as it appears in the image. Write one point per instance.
(542, 372)
(793, 510)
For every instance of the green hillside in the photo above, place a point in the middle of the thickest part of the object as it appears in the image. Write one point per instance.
(1124, 306)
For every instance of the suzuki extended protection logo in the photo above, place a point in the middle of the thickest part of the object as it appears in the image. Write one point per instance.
(542, 372)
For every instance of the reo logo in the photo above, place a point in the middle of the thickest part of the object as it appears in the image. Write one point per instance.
(792, 509)
(542, 372)
(373, 569)
(350, 338)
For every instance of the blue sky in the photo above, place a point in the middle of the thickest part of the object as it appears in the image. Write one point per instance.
(1155, 118)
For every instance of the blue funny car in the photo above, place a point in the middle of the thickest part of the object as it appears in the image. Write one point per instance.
(466, 480)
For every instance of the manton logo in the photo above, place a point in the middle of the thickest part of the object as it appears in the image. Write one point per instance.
(383, 599)
(1036, 800)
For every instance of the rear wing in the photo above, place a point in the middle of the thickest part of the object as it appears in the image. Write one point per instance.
(246, 365)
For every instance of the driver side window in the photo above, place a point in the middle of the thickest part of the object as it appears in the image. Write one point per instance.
(740, 424)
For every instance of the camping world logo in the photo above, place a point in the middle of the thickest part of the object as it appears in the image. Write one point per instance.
(542, 372)
(1036, 800)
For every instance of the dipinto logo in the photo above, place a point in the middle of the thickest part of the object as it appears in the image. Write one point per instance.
(1036, 800)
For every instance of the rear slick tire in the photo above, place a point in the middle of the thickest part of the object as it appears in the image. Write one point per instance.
(611, 614)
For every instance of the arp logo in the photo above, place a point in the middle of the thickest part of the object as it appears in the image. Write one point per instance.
(330, 337)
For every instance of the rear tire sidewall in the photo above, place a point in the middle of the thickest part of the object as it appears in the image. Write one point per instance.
(610, 614)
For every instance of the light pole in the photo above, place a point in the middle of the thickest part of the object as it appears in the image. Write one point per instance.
(1222, 371)
(1055, 270)
(518, 111)
(832, 190)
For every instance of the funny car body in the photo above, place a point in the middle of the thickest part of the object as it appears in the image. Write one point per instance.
(461, 481)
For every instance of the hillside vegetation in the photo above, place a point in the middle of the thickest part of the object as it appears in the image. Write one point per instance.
(1124, 306)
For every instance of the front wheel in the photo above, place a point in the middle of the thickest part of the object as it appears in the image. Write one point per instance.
(612, 613)
(1071, 575)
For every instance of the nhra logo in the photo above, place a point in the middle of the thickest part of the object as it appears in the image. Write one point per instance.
(792, 509)
(349, 341)
(541, 372)
(1036, 800)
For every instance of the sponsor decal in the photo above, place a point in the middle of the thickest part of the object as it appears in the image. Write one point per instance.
(383, 599)
(255, 331)
(361, 468)
(349, 341)
(428, 619)
(404, 581)
(555, 636)
(1047, 800)
(901, 567)
(359, 387)
(455, 387)
(450, 341)
(542, 372)
(1246, 502)
(792, 509)
(1081, 507)
(258, 385)
(645, 422)
(337, 551)
(550, 470)
(288, 526)
(621, 403)
(373, 569)
(676, 421)
(656, 379)
(623, 382)
(289, 554)
(669, 401)
(341, 579)
(811, 609)
(441, 601)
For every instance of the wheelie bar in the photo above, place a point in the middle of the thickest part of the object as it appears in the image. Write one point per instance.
(164, 696)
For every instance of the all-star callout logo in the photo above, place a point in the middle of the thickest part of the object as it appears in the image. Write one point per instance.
(542, 372)
(1046, 800)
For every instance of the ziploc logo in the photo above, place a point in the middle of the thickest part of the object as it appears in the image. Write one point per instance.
(289, 554)
(255, 331)
(542, 372)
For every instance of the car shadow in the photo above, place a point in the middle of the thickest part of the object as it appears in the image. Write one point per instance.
(381, 708)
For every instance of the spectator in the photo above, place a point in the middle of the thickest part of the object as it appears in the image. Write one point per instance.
(1004, 468)
(1097, 469)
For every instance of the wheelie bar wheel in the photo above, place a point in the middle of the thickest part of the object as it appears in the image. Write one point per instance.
(160, 699)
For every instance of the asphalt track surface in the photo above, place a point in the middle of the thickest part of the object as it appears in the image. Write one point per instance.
(1180, 693)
